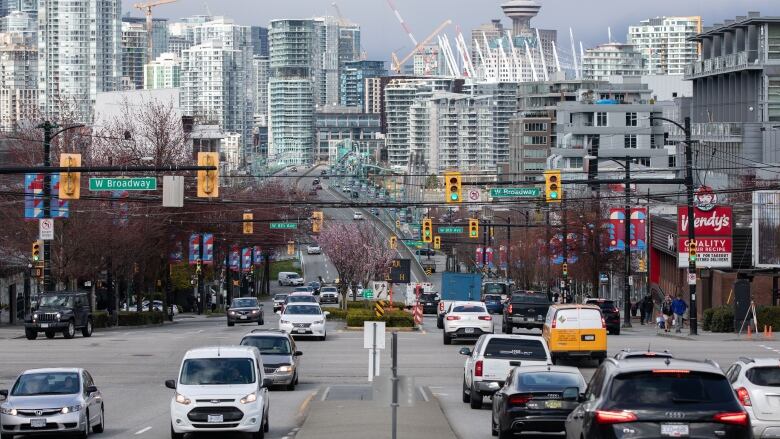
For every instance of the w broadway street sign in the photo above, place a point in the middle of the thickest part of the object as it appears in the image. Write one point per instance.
(123, 184)
(284, 226)
(519, 192)
(450, 229)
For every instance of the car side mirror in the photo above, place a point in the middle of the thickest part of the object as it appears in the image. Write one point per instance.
(4, 393)
(465, 351)
(571, 394)
(268, 382)
(91, 389)
(171, 384)
(227, 307)
(298, 354)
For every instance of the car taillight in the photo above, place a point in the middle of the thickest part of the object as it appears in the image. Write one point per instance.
(509, 310)
(485, 318)
(603, 323)
(616, 310)
(744, 396)
(441, 306)
(734, 418)
(478, 368)
(614, 417)
(518, 399)
(554, 323)
(453, 317)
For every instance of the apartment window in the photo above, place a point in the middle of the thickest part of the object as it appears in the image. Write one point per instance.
(601, 119)
(773, 49)
(672, 161)
(630, 141)
(631, 120)
(534, 153)
(653, 143)
(535, 127)
(533, 166)
(534, 140)
(773, 104)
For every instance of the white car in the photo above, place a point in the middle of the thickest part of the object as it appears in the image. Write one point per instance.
(466, 321)
(220, 389)
(357, 216)
(494, 356)
(313, 250)
(756, 382)
(303, 318)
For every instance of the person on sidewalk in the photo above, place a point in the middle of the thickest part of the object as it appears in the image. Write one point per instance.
(642, 314)
(666, 310)
(648, 307)
(679, 307)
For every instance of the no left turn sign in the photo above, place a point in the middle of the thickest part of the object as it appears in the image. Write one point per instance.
(474, 195)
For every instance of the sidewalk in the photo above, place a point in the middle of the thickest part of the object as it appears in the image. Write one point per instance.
(649, 330)
(16, 331)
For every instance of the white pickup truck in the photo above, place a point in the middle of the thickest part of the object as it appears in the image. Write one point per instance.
(494, 356)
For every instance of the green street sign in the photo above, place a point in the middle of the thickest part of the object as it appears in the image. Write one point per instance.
(519, 192)
(284, 226)
(368, 294)
(450, 230)
(413, 243)
(123, 184)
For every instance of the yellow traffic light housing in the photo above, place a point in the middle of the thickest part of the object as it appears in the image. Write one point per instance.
(70, 182)
(208, 181)
(248, 226)
(316, 221)
(393, 242)
(454, 186)
(692, 251)
(565, 269)
(437, 242)
(290, 248)
(473, 228)
(37, 248)
(427, 230)
(553, 190)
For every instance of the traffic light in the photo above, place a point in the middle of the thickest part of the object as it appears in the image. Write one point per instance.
(642, 266)
(248, 226)
(393, 242)
(474, 228)
(397, 224)
(37, 248)
(437, 242)
(553, 191)
(316, 221)
(565, 269)
(208, 181)
(70, 182)
(453, 183)
(692, 251)
(290, 248)
(427, 230)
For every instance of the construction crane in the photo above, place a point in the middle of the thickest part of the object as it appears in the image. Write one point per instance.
(335, 6)
(147, 10)
(397, 64)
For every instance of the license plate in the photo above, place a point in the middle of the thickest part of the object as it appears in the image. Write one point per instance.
(38, 423)
(539, 318)
(588, 337)
(675, 430)
(44, 325)
(553, 404)
(469, 330)
(300, 331)
(242, 317)
(215, 419)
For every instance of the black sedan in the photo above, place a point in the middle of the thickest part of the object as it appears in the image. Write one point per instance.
(536, 399)
(245, 310)
(429, 302)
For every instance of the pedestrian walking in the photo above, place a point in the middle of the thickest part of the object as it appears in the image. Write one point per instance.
(666, 310)
(648, 307)
(679, 307)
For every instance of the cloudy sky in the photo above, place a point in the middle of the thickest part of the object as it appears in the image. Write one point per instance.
(382, 34)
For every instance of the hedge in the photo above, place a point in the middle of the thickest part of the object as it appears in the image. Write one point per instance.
(719, 319)
(141, 318)
(336, 313)
(101, 319)
(369, 304)
(769, 316)
(392, 319)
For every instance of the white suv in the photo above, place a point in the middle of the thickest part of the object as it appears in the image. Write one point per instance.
(220, 389)
(494, 356)
(466, 321)
(757, 384)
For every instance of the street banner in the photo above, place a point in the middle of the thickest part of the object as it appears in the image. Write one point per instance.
(617, 229)
(235, 258)
(208, 249)
(33, 197)
(258, 255)
(490, 257)
(177, 255)
(502, 257)
(479, 257)
(246, 259)
(194, 248)
(766, 229)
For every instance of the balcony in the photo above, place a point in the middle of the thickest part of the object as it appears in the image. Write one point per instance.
(723, 64)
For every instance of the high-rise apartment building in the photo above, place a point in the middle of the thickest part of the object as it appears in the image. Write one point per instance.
(612, 59)
(163, 72)
(159, 33)
(23, 24)
(262, 66)
(664, 45)
(18, 81)
(134, 47)
(259, 37)
(353, 80)
(177, 45)
(79, 54)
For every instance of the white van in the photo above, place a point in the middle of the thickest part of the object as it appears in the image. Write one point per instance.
(290, 278)
(220, 389)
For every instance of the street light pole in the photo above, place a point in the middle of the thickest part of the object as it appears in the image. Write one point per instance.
(627, 246)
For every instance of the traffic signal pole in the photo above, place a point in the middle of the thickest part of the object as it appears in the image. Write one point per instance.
(47, 256)
(693, 313)
(627, 247)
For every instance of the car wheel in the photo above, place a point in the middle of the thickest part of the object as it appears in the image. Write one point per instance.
(475, 399)
(266, 425)
(296, 378)
(87, 330)
(260, 433)
(84, 434)
(230, 323)
(70, 331)
(50, 334)
(447, 338)
(506, 329)
(439, 322)
(175, 435)
(290, 387)
(493, 428)
(280, 283)
(616, 331)
(30, 334)
(102, 425)
(506, 434)
(465, 397)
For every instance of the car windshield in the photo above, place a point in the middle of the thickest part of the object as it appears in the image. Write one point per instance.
(244, 303)
(55, 301)
(429, 297)
(604, 304)
(269, 345)
(468, 308)
(669, 391)
(302, 289)
(280, 296)
(314, 284)
(329, 289)
(306, 298)
(764, 376)
(530, 298)
(54, 383)
(303, 309)
(547, 381)
(516, 349)
(495, 288)
(492, 297)
(217, 371)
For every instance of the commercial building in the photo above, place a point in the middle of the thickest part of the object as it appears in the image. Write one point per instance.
(612, 59)
(18, 82)
(159, 33)
(353, 80)
(79, 54)
(163, 72)
(664, 43)
(134, 46)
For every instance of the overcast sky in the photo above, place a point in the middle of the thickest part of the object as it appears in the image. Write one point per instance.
(382, 33)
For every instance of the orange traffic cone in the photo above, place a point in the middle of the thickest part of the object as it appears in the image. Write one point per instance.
(770, 333)
(750, 332)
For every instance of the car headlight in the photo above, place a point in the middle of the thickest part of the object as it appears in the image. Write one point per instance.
(255, 311)
(70, 409)
(284, 369)
(7, 410)
(57, 316)
(318, 322)
(252, 397)
(283, 322)
(232, 313)
(181, 399)
(35, 316)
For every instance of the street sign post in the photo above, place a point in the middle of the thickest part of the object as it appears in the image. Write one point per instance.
(450, 230)
(515, 192)
(123, 184)
(284, 226)
(46, 229)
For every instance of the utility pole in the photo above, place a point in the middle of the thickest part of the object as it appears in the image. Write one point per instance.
(565, 276)
(627, 247)
(508, 246)
(47, 255)
(201, 290)
(691, 232)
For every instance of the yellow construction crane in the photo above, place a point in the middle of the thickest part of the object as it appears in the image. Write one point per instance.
(396, 64)
(147, 9)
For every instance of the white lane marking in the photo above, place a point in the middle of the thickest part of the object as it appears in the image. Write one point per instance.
(441, 394)
(325, 394)
(142, 431)
(424, 394)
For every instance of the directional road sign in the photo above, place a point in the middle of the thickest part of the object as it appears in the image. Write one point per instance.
(450, 230)
(284, 226)
(123, 184)
(516, 192)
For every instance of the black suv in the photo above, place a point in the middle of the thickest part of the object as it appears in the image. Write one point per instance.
(60, 312)
(658, 397)
(610, 312)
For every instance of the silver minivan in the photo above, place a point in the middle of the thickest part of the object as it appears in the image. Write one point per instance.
(290, 278)
(46, 401)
